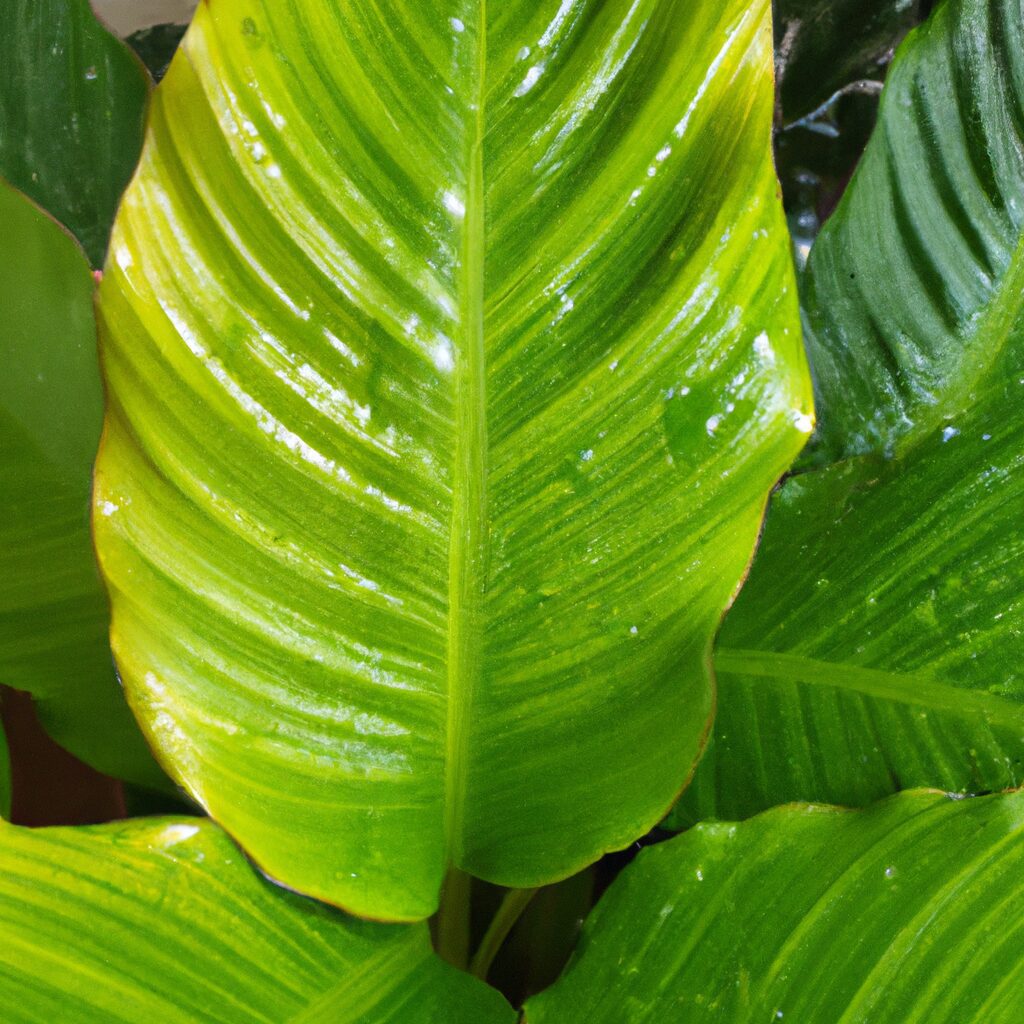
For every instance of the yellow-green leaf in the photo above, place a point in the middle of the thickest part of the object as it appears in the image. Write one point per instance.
(163, 920)
(451, 355)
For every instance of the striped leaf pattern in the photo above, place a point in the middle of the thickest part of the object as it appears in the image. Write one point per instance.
(452, 351)
(163, 920)
(878, 644)
(906, 913)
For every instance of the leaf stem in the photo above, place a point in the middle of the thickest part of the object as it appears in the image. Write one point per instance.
(453, 919)
(512, 906)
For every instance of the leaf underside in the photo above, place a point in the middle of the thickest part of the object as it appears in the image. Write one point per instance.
(451, 357)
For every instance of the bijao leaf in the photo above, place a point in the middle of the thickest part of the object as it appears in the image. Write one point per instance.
(162, 919)
(906, 912)
(53, 610)
(877, 644)
(450, 358)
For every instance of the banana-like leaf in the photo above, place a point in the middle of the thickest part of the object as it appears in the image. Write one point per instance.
(878, 643)
(72, 104)
(915, 280)
(450, 363)
(911, 911)
(163, 920)
(53, 611)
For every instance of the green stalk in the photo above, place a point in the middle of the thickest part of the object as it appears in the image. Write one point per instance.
(512, 906)
(452, 934)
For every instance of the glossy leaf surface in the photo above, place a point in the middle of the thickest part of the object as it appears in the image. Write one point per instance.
(878, 643)
(53, 611)
(72, 104)
(910, 911)
(916, 278)
(163, 920)
(450, 364)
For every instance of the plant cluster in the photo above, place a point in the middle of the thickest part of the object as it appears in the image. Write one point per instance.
(447, 476)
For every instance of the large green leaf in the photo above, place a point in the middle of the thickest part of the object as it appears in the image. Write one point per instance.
(53, 611)
(449, 366)
(878, 643)
(916, 279)
(72, 104)
(163, 920)
(909, 912)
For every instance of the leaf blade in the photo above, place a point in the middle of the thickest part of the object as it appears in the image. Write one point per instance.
(904, 565)
(72, 106)
(405, 573)
(888, 913)
(124, 922)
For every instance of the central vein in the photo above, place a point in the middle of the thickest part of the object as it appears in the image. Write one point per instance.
(468, 545)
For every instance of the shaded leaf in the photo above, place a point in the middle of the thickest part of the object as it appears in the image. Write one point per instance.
(163, 920)
(824, 45)
(907, 912)
(72, 104)
(53, 611)
(156, 45)
(450, 365)
(878, 643)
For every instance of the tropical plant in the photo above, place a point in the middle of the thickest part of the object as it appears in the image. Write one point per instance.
(446, 359)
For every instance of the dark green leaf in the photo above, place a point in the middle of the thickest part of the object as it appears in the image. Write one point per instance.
(72, 103)
(911, 912)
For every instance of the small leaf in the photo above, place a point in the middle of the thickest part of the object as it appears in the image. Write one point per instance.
(72, 106)
(163, 920)
(907, 912)
(450, 364)
(53, 611)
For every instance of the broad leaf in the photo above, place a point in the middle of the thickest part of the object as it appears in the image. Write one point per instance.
(163, 920)
(72, 104)
(916, 279)
(53, 611)
(878, 643)
(907, 912)
(449, 366)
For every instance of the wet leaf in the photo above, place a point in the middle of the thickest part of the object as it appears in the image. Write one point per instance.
(878, 642)
(909, 911)
(163, 920)
(450, 365)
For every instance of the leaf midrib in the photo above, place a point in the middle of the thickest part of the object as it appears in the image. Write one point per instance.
(469, 533)
(915, 688)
